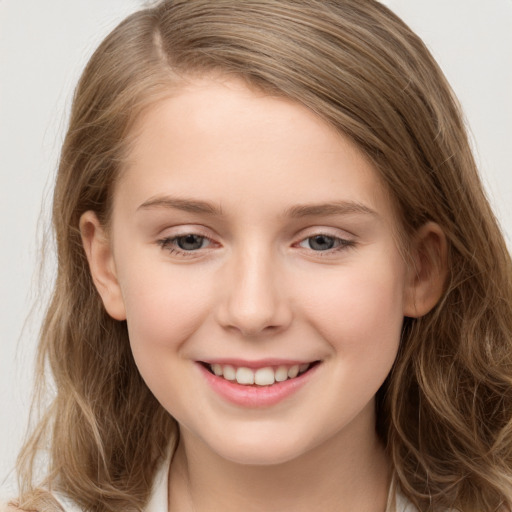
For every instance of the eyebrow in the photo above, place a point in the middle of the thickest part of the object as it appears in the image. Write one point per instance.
(325, 209)
(296, 211)
(186, 205)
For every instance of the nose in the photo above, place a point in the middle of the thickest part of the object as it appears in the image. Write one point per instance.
(254, 299)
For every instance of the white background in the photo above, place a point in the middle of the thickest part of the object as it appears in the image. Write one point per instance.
(43, 47)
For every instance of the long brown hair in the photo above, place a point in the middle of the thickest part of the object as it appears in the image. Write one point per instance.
(445, 411)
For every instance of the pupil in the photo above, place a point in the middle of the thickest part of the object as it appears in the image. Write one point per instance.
(321, 243)
(190, 242)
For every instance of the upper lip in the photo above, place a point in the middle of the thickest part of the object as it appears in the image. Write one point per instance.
(258, 363)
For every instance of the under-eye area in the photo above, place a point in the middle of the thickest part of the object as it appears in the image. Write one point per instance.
(265, 376)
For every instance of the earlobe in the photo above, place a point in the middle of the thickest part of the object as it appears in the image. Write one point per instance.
(101, 264)
(427, 274)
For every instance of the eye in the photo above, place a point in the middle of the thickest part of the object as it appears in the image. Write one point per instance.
(322, 242)
(190, 242)
(185, 244)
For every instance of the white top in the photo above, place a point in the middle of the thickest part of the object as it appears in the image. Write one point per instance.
(403, 504)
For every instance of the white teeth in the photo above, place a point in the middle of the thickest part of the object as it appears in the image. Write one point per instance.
(281, 374)
(229, 372)
(293, 371)
(261, 377)
(217, 369)
(264, 377)
(244, 376)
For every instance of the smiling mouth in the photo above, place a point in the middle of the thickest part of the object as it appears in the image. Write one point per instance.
(266, 376)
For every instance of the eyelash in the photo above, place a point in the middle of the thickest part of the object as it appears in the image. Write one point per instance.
(341, 244)
(169, 244)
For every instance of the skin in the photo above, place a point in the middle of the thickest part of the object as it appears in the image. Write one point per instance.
(257, 288)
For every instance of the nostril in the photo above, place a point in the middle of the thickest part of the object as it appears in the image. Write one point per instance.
(253, 331)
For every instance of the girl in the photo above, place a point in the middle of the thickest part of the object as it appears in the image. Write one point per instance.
(280, 285)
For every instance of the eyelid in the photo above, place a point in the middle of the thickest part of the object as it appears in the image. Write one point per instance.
(184, 229)
(334, 232)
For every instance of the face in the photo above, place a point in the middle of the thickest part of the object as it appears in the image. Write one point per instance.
(250, 241)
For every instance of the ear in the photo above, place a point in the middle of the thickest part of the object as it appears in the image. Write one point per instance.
(101, 263)
(427, 275)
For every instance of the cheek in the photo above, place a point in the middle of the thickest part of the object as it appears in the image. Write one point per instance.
(360, 313)
(163, 308)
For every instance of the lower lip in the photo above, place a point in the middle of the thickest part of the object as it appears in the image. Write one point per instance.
(256, 396)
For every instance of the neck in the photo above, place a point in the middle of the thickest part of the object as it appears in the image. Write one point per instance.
(346, 473)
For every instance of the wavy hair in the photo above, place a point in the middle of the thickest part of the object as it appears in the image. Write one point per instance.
(445, 410)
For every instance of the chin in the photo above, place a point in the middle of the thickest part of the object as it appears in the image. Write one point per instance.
(258, 456)
(249, 448)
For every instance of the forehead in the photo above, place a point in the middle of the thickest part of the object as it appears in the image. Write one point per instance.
(226, 142)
